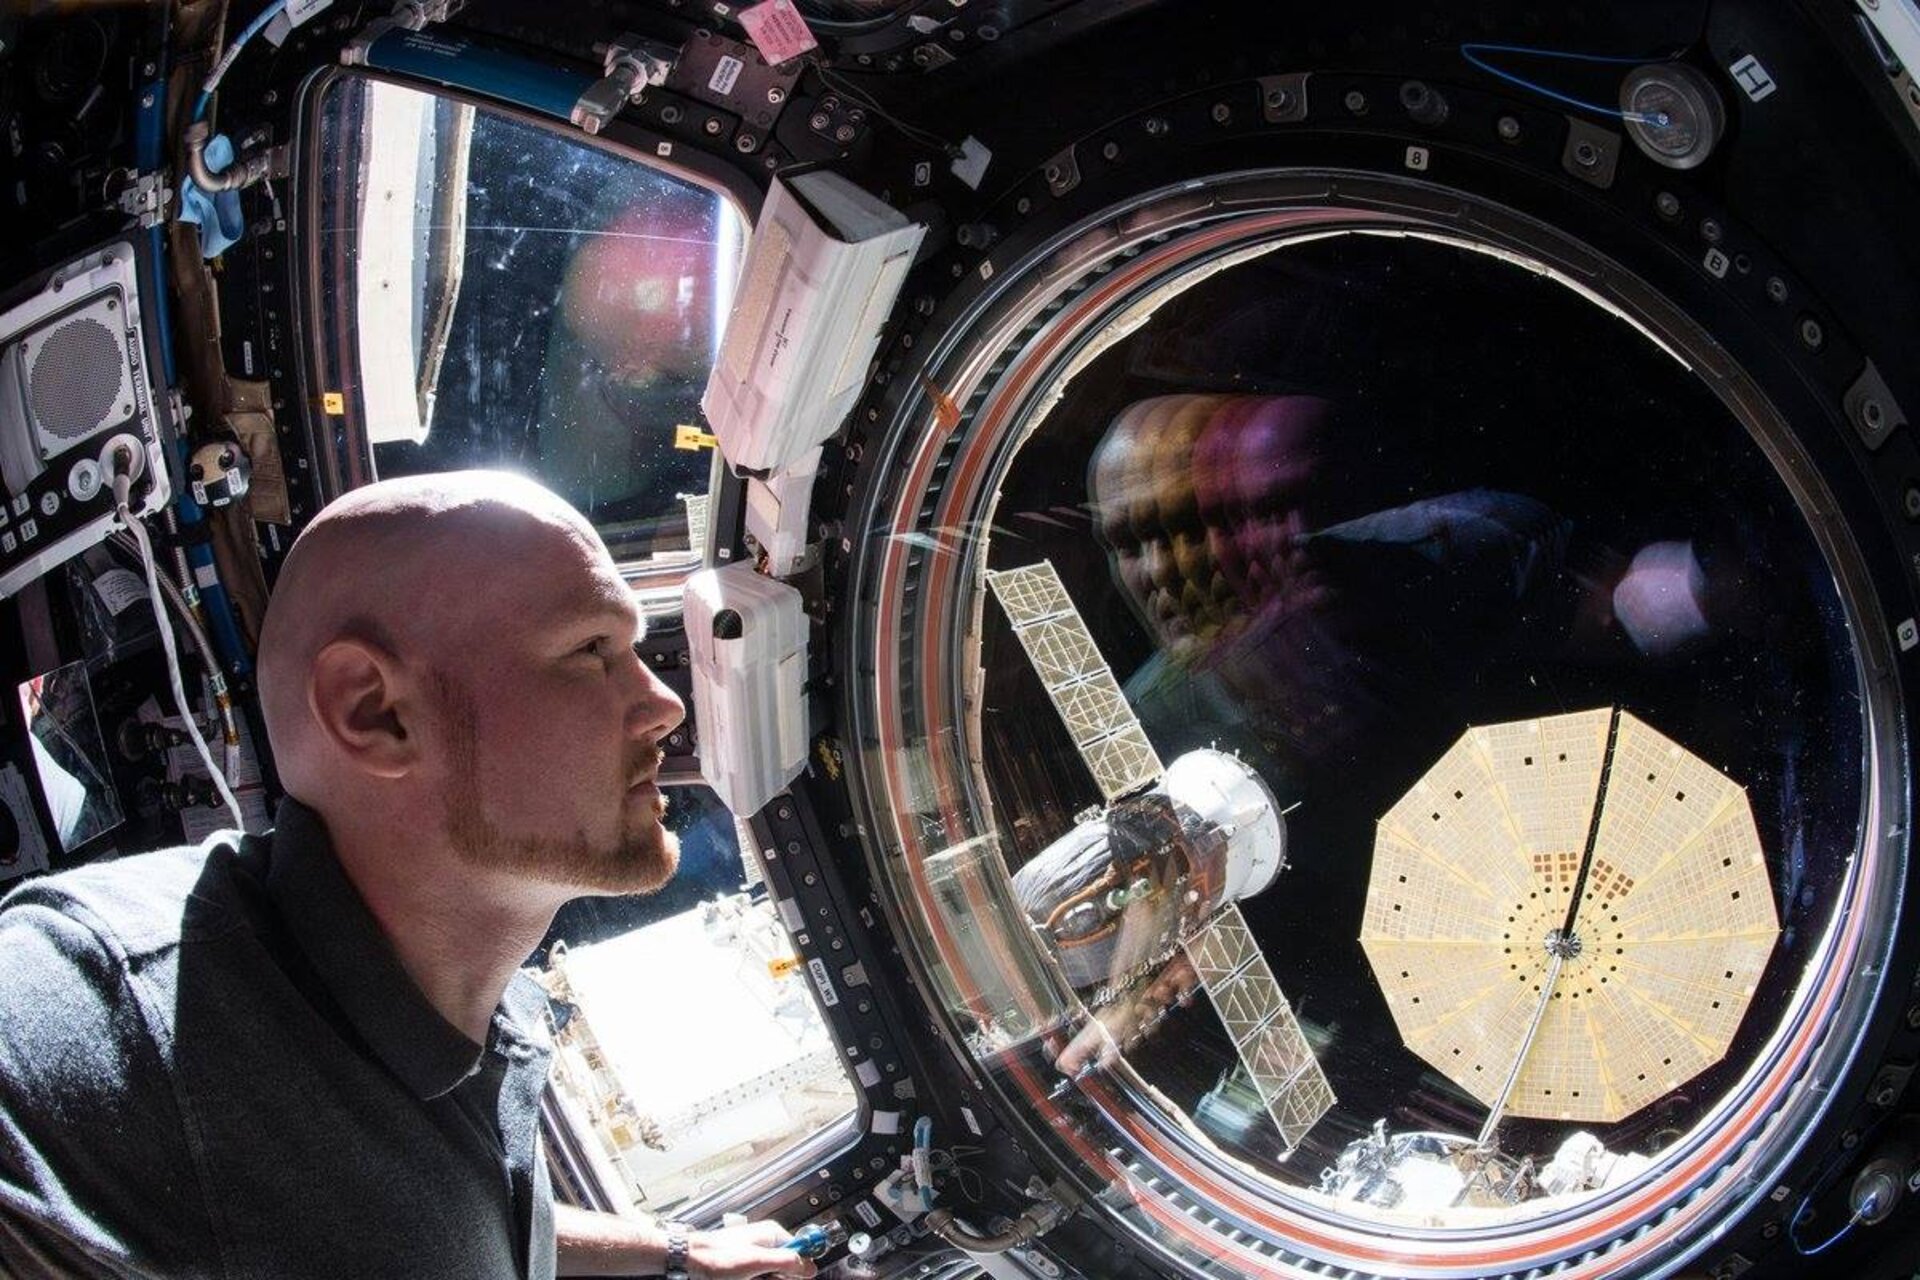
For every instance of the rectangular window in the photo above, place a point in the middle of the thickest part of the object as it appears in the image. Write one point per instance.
(494, 293)
(689, 1045)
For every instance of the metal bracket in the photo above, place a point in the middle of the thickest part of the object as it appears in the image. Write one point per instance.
(1063, 172)
(1871, 408)
(147, 198)
(633, 66)
(1283, 99)
(1591, 153)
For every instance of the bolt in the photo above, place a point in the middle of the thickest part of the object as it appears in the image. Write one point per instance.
(1872, 413)
(1356, 102)
(1911, 501)
(1586, 155)
(1280, 99)
(776, 95)
(1052, 175)
(1022, 205)
(1811, 333)
(1156, 126)
(819, 120)
(1710, 230)
(1221, 113)
(1111, 151)
(746, 144)
(1776, 289)
(1508, 128)
(1667, 205)
(670, 114)
(1849, 1140)
(845, 133)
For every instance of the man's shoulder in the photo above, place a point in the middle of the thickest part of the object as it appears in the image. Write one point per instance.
(143, 903)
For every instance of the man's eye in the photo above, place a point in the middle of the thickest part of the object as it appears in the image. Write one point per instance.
(599, 646)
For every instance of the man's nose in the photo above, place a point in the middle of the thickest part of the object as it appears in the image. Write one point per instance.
(656, 711)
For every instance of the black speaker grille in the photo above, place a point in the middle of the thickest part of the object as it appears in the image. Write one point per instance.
(76, 378)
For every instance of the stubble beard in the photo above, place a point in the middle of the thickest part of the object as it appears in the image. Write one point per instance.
(642, 860)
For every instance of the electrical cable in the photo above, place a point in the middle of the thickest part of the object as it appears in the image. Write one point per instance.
(184, 610)
(1793, 1227)
(247, 33)
(122, 478)
(1472, 52)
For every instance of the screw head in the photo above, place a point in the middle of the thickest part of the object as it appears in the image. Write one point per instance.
(1872, 413)
(1508, 128)
(1586, 155)
(1776, 289)
(1711, 231)
(1111, 151)
(1667, 205)
(1356, 102)
(712, 127)
(776, 95)
(1221, 113)
(1811, 333)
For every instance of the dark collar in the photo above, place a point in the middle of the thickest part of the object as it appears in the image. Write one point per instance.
(332, 926)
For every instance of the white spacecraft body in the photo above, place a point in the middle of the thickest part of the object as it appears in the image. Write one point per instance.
(1120, 891)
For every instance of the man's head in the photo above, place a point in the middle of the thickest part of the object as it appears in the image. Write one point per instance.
(449, 660)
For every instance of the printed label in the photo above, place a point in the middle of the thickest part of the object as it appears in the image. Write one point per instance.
(724, 75)
(777, 30)
(828, 996)
(1752, 77)
(119, 589)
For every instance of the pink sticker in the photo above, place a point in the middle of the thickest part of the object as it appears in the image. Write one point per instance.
(777, 30)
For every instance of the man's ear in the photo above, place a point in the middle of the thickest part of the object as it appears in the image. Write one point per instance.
(357, 691)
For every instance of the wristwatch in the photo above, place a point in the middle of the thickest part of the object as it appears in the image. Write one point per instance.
(678, 1244)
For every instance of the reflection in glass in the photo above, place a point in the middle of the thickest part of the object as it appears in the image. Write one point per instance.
(1335, 512)
(761, 1075)
(518, 298)
(68, 755)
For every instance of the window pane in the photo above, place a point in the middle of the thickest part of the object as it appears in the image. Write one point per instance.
(689, 1042)
(501, 295)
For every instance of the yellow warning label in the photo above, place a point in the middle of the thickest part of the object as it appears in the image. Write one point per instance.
(334, 403)
(690, 438)
(781, 966)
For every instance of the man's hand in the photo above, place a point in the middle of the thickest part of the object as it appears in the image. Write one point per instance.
(743, 1252)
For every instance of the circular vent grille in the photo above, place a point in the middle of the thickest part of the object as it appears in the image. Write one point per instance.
(75, 379)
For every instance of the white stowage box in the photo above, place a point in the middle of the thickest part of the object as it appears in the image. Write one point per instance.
(823, 270)
(748, 637)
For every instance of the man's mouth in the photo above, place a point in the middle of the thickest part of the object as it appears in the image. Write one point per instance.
(647, 770)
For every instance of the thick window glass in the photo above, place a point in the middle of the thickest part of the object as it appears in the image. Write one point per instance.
(689, 1044)
(492, 293)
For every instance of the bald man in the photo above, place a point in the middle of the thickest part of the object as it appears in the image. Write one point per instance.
(313, 1053)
